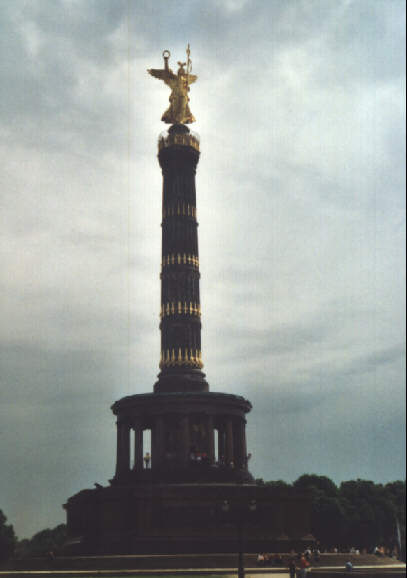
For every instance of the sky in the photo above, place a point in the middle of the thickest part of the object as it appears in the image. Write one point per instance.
(300, 194)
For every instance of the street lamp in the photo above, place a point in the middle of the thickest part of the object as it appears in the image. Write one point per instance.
(238, 513)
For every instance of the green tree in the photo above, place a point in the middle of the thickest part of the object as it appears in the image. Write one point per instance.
(328, 523)
(317, 484)
(43, 542)
(8, 539)
(278, 485)
(359, 513)
(370, 513)
(396, 493)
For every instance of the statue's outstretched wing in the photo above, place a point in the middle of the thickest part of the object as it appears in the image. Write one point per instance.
(162, 74)
(192, 78)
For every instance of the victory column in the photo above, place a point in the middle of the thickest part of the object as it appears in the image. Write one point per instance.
(178, 155)
(177, 500)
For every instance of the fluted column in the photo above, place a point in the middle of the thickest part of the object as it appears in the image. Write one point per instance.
(138, 445)
(180, 360)
(211, 439)
(221, 442)
(229, 441)
(157, 442)
(244, 444)
(240, 443)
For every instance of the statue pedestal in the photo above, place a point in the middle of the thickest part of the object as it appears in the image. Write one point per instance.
(149, 518)
(198, 464)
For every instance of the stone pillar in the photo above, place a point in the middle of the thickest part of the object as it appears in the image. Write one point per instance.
(157, 442)
(229, 457)
(123, 448)
(138, 445)
(180, 325)
(239, 443)
(211, 439)
(221, 442)
(237, 453)
(244, 444)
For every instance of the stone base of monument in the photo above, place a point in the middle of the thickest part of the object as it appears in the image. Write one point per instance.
(180, 518)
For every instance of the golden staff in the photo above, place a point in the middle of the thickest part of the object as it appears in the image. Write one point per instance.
(189, 64)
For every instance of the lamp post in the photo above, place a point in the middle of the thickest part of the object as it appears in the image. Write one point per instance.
(238, 513)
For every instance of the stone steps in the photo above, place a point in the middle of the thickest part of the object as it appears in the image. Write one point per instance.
(186, 561)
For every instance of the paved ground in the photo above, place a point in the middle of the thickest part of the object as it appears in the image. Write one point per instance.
(197, 573)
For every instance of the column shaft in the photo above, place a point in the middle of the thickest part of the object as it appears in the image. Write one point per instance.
(211, 439)
(244, 444)
(138, 446)
(221, 443)
(180, 326)
(240, 443)
(157, 449)
(229, 442)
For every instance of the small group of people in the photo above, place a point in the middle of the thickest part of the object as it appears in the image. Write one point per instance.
(298, 567)
(392, 552)
(223, 463)
(298, 564)
(314, 554)
(268, 559)
(196, 457)
(377, 551)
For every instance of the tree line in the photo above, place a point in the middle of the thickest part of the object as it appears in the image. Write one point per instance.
(357, 513)
(49, 540)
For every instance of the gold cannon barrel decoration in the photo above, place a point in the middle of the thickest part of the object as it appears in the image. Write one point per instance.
(180, 308)
(179, 357)
(181, 209)
(180, 259)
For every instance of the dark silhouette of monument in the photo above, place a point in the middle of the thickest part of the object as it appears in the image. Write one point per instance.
(193, 491)
(183, 416)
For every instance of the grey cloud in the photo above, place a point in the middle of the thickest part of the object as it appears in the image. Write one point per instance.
(300, 188)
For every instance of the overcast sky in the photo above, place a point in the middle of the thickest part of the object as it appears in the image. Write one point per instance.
(300, 109)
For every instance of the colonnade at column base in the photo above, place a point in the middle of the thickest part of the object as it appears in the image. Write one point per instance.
(172, 495)
(192, 436)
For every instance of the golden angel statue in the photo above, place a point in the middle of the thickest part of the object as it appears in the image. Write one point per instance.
(178, 111)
